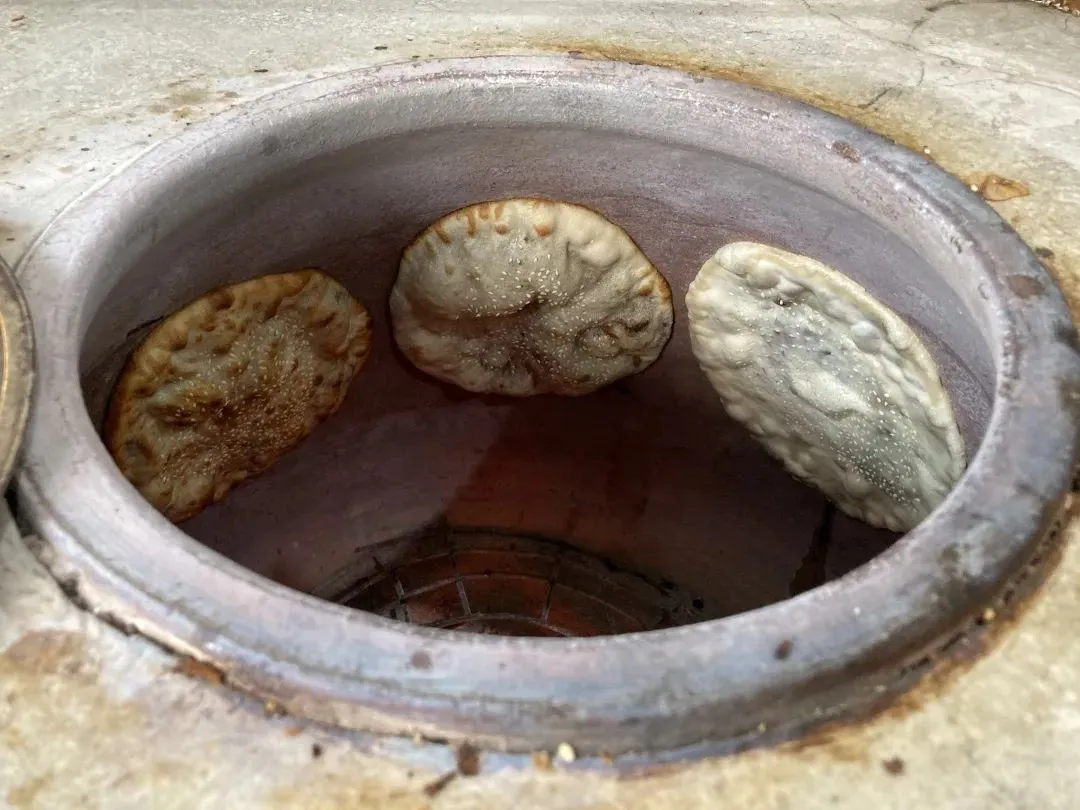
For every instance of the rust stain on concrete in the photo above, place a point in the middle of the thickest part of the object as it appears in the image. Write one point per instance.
(1068, 6)
(48, 653)
(995, 188)
(51, 680)
(330, 790)
(199, 670)
(25, 795)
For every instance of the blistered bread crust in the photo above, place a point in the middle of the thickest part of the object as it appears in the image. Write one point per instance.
(834, 383)
(524, 297)
(222, 388)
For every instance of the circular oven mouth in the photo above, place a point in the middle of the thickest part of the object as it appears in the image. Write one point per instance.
(340, 173)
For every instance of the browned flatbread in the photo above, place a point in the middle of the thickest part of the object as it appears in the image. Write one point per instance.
(523, 297)
(222, 388)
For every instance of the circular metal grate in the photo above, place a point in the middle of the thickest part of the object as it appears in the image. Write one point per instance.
(512, 585)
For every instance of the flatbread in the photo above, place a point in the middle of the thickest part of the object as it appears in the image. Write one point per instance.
(833, 383)
(524, 297)
(219, 390)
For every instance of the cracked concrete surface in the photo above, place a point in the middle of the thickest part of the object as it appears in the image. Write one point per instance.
(92, 718)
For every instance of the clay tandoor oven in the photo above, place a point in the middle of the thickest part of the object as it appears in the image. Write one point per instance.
(636, 573)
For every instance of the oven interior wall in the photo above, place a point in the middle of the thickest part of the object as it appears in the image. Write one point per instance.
(649, 472)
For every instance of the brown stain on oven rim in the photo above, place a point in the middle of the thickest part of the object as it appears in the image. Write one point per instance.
(1025, 286)
(697, 67)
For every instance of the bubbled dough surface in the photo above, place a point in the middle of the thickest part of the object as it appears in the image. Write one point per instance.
(219, 390)
(524, 297)
(831, 381)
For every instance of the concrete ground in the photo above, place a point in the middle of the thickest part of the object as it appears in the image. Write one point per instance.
(92, 718)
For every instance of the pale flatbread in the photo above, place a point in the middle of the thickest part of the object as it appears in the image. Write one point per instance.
(219, 390)
(524, 297)
(831, 381)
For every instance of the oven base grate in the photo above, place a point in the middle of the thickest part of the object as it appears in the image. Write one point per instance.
(489, 582)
